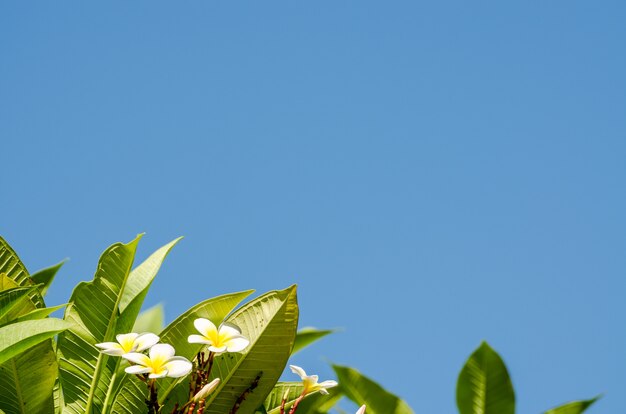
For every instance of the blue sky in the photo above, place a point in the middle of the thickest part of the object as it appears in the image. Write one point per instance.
(430, 175)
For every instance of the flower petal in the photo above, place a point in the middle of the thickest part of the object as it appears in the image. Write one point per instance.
(137, 369)
(229, 330)
(137, 358)
(198, 339)
(204, 326)
(237, 344)
(361, 410)
(161, 374)
(111, 348)
(323, 391)
(130, 337)
(298, 371)
(164, 351)
(178, 367)
(217, 350)
(145, 341)
(328, 384)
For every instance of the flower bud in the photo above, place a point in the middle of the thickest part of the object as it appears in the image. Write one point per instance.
(206, 390)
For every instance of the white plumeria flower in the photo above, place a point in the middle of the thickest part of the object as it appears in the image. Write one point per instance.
(159, 362)
(130, 342)
(310, 381)
(361, 410)
(227, 338)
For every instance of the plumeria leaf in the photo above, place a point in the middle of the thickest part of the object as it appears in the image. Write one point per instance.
(362, 390)
(574, 407)
(14, 269)
(40, 313)
(484, 385)
(17, 337)
(312, 403)
(269, 322)
(45, 277)
(13, 298)
(292, 390)
(27, 380)
(130, 399)
(307, 336)
(19, 309)
(135, 291)
(317, 403)
(150, 320)
(30, 369)
(94, 310)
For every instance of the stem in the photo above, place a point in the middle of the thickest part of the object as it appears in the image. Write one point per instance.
(208, 371)
(295, 404)
(110, 390)
(153, 399)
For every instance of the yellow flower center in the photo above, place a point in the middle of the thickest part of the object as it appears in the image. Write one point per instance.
(127, 344)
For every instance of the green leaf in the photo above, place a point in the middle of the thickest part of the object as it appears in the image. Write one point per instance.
(362, 390)
(132, 298)
(27, 380)
(131, 397)
(17, 337)
(321, 404)
(13, 298)
(22, 307)
(312, 403)
(94, 311)
(14, 269)
(46, 276)
(307, 336)
(137, 286)
(40, 313)
(269, 322)
(484, 386)
(292, 390)
(150, 320)
(574, 407)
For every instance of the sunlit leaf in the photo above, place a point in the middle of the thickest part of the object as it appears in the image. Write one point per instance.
(40, 313)
(307, 336)
(484, 386)
(363, 390)
(270, 322)
(94, 312)
(17, 337)
(14, 269)
(150, 320)
(574, 407)
(27, 380)
(44, 277)
(311, 404)
(13, 298)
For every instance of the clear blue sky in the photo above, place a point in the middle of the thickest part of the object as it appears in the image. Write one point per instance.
(430, 174)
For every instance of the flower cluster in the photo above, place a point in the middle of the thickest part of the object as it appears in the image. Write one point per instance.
(152, 360)
(161, 360)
